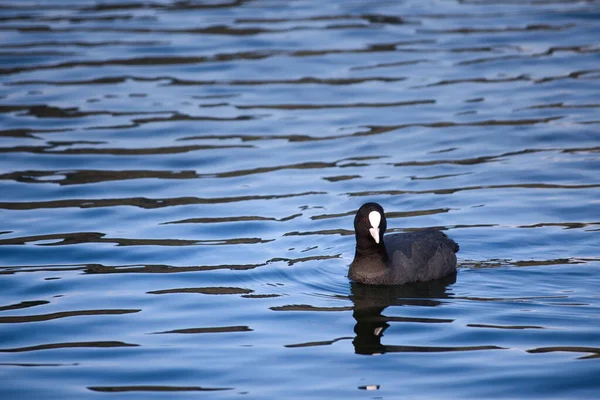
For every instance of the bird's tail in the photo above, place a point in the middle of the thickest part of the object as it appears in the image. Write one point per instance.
(456, 246)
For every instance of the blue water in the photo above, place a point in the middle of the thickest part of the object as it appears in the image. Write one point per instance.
(178, 182)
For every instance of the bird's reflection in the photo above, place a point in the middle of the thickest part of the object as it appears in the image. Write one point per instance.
(370, 301)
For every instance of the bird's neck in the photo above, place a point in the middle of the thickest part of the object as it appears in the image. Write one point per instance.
(371, 251)
(369, 265)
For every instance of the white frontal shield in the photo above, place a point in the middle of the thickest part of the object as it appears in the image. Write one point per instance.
(375, 220)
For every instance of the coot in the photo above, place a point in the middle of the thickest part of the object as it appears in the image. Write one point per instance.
(398, 258)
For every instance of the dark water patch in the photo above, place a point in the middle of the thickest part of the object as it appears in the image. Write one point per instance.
(66, 239)
(494, 263)
(156, 268)
(448, 150)
(388, 65)
(583, 74)
(292, 261)
(177, 6)
(62, 314)
(593, 352)
(437, 176)
(246, 138)
(308, 307)
(505, 326)
(107, 43)
(260, 296)
(372, 18)
(418, 320)
(219, 329)
(11, 270)
(513, 299)
(564, 225)
(219, 220)
(174, 117)
(51, 346)
(51, 149)
(204, 290)
(530, 263)
(38, 53)
(514, 57)
(24, 304)
(479, 80)
(45, 111)
(339, 178)
(314, 344)
(139, 61)
(232, 57)
(326, 106)
(432, 349)
(82, 177)
(173, 81)
(470, 188)
(36, 364)
(75, 20)
(120, 389)
(307, 80)
(29, 133)
(160, 268)
(528, 28)
(560, 105)
(138, 202)
(343, 232)
(377, 130)
(163, 269)
(209, 30)
(389, 215)
(107, 80)
(263, 170)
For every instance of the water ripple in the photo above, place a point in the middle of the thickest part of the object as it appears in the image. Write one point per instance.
(68, 346)
(118, 389)
(62, 314)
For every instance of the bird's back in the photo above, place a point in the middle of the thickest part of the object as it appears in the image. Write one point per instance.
(420, 256)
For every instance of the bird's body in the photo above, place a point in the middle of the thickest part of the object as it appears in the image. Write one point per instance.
(398, 258)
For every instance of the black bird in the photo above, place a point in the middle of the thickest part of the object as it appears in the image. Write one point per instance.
(398, 258)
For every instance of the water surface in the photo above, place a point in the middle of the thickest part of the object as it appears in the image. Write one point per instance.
(178, 181)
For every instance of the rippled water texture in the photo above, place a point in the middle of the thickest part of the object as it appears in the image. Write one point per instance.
(178, 181)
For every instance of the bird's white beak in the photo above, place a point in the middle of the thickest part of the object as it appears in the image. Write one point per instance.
(375, 233)
(374, 219)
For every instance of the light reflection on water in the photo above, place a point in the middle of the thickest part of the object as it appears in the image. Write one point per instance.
(178, 183)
